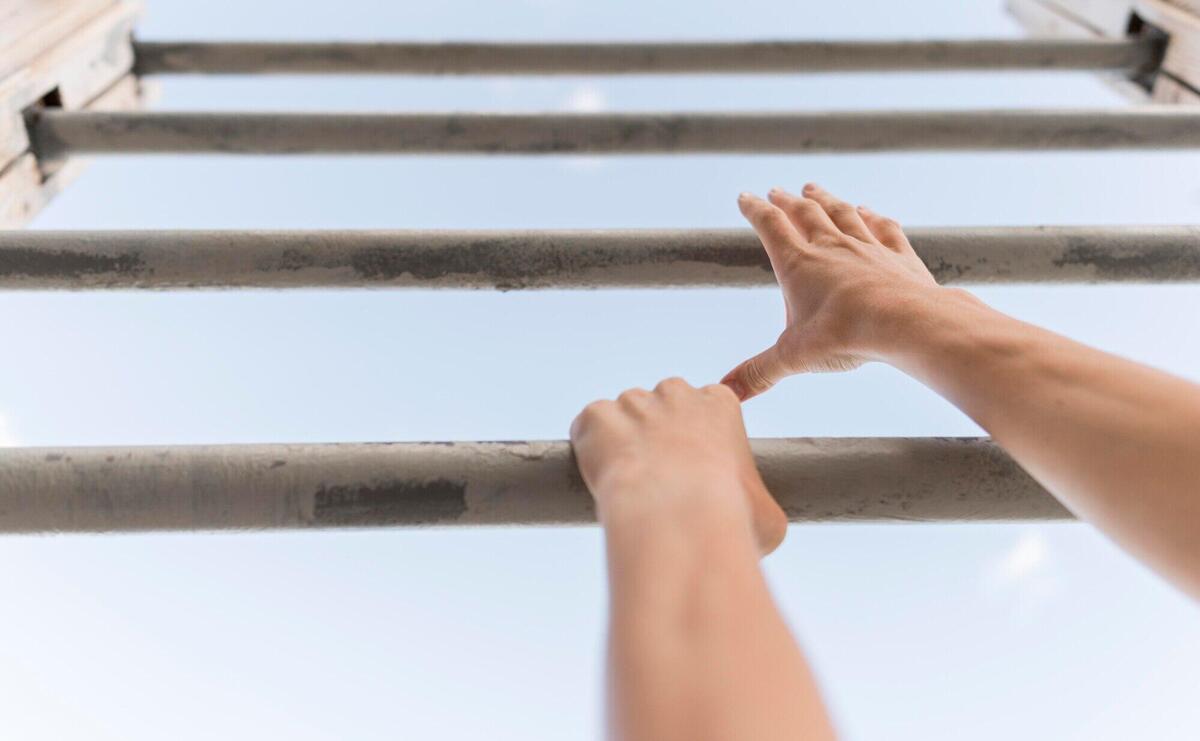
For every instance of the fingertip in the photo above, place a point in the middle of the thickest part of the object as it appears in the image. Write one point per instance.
(811, 188)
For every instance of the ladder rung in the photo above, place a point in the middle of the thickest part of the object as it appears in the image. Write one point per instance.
(355, 485)
(58, 133)
(738, 57)
(32, 260)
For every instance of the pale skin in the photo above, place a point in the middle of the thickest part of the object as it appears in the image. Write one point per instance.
(697, 648)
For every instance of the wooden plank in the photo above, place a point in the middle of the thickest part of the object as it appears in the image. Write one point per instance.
(1043, 18)
(1107, 17)
(29, 27)
(81, 50)
(79, 67)
(1171, 91)
(1043, 21)
(20, 192)
(26, 186)
(1182, 60)
(1192, 6)
(1177, 80)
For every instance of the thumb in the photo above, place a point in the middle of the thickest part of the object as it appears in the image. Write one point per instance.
(757, 374)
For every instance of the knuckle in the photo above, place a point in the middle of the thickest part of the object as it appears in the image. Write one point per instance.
(842, 210)
(773, 218)
(674, 383)
(633, 396)
(811, 213)
(721, 392)
(807, 206)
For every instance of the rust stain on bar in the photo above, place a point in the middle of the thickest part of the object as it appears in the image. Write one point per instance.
(395, 502)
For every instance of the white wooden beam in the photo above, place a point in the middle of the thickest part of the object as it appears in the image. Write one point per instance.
(1177, 79)
(73, 54)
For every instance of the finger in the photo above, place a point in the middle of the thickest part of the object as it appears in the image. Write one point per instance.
(635, 400)
(776, 232)
(806, 215)
(672, 387)
(845, 216)
(757, 374)
(887, 231)
(589, 416)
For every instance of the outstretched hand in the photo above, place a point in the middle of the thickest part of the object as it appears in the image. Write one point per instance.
(844, 271)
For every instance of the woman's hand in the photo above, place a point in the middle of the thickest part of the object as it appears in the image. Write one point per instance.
(845, 272)
(676, 453)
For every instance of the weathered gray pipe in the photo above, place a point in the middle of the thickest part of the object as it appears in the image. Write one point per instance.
(468, 58)
(504, 260)
(58, 133)
(357, 485)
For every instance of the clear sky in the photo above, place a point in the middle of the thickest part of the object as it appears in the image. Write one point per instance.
(917, 632)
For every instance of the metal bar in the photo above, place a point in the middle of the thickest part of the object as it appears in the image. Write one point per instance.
(60, 133)
(357, 485)
(512, 260)
(469, 58)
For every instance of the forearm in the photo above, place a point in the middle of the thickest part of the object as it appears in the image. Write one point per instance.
(1117, 442)
(698, 649)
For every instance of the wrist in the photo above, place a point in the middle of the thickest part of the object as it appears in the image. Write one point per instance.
(907, 325)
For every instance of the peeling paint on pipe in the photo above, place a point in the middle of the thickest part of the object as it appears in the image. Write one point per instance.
(255, 487)
(513, 260)
(467, 58)
(59, 133)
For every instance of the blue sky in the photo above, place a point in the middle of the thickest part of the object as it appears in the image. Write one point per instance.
(917, 632)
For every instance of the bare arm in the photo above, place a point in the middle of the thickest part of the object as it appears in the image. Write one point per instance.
(1118, 443)
(697, 648)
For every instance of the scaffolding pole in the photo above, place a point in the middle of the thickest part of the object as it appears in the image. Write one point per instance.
(58, 133)
(511, 260)
(257, 487)
(747, 57)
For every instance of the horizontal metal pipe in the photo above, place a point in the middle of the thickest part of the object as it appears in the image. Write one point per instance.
(470, 58)
(358, 485)
(57, 133)
(31, 260)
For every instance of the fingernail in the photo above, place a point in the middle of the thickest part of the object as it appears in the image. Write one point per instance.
(736, 387)
(777, 191)
(745, 195)
(810, 187)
